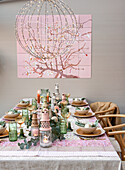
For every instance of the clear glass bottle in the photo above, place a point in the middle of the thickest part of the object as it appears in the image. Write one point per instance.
(57, 93)
(12, 131)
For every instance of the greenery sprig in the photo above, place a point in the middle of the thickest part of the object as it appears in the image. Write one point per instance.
(3, 123)
(28, 144)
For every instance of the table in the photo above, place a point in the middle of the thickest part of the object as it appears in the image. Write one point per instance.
(70, 154)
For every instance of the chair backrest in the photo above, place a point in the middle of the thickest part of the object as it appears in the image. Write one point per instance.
(105, 108)
(115, 130)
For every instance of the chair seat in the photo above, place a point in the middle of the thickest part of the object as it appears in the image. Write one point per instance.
(115, 144)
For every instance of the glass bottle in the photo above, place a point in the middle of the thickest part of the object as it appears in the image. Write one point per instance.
(63, 125)
(57, 93)
(12, 131)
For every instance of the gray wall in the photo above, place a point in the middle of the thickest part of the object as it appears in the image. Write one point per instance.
(108, 56)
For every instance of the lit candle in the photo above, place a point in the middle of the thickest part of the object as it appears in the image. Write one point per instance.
(47, 97)
(38, 96)
(45, 140)
(35, 132)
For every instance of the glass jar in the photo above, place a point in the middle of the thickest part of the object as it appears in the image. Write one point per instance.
(63, 126)
(34, 131)
(12, 131)
(45, 139)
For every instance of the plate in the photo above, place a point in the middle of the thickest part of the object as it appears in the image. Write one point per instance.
(23, 104)
(2, 130)
(87, 115)
(79, 105)
(98, 132)
(5, 134)
(10, 118)
(11, 115)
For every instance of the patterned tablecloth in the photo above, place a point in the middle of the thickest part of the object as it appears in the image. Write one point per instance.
(71, 153)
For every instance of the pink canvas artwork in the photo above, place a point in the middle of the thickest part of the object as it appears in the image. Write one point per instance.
(57, 59)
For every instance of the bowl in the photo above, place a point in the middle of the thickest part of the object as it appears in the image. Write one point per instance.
(77, 102)
(2, 130)
(11, 115)
(88, 130)
(81, 112)
(23, 104)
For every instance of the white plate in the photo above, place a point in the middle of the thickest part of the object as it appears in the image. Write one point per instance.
(87, 135)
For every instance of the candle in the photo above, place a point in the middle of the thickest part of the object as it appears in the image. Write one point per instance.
(38, 96)
(47, 97)
(35, 132)
(45, 140)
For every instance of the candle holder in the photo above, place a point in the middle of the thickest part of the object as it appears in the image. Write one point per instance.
(64, 101)
(39, 115)
(45, 130)
(34, 126)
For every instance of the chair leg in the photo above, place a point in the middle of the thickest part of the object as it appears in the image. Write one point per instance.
(119, 154)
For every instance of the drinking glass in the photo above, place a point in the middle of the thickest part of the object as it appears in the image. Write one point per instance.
(44, 93)
(34, 104)
(12, 131)
(25, 114)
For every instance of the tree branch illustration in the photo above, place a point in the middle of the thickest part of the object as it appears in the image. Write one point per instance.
(53, 60)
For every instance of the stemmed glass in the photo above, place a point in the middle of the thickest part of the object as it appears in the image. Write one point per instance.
(20, 121)
(66, 114)
(65, 111)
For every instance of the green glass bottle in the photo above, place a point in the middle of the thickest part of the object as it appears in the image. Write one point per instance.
(63, 126)
(12, 131)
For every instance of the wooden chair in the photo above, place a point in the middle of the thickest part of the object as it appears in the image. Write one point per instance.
(105, 108)
(105, 112)
(115, 131)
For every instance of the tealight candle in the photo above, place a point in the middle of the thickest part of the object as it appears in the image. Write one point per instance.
(45, 140)
(35, 131)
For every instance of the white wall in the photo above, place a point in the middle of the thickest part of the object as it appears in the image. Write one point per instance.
(108, 56)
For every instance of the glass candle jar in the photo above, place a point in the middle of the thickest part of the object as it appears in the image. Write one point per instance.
(63, 126)
(34, 131)
(12, 131)
(45, 139)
